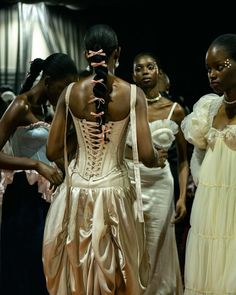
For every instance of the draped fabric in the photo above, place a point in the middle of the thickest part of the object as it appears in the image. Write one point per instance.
(16, 41)
(211, 243)
(61, 33)
(19, 24)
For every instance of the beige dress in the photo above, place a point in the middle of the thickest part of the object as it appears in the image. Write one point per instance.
(93, 241)
(159, 209)
(211, 245)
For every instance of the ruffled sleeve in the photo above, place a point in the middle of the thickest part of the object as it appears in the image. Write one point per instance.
(196, 125)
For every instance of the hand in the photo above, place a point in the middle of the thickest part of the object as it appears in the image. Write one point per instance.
(162, 156)
(180, 211)
(52, 174)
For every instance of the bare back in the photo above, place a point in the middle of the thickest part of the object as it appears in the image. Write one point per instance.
(118, 109)
(119, 96)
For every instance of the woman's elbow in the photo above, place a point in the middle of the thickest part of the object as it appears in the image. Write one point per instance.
(149, 162)
(53, 153)
(50, 154)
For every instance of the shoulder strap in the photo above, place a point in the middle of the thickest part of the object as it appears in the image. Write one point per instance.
(135, 152)
(67, 99)
(172, 110)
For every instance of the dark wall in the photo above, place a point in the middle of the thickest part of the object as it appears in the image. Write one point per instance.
(179, 36)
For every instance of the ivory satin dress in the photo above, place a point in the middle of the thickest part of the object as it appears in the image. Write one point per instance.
(94, 243)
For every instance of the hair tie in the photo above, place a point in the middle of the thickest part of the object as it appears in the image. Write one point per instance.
(100, 100)
(97, 64)
(97, 81)
(99, 52)
(97, 114)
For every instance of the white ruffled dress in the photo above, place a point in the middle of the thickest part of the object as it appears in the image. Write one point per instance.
(211, 245)
(157, 186)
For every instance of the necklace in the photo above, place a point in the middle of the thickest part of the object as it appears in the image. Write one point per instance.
(227, 101)
(154, 99)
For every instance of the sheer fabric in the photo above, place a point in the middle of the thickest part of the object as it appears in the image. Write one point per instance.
(210, 262)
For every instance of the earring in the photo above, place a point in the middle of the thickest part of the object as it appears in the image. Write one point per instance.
(88, 68)
(117, 64)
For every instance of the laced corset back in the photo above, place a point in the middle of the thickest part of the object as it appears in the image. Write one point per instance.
(97, 158)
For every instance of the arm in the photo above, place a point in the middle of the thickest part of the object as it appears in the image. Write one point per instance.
(196, 162)
(12, 118)
(55, 152)
(55, 144)
(183, 170)
(71, 150)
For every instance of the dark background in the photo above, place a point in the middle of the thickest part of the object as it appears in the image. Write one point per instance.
(179, 38)
(178, 33)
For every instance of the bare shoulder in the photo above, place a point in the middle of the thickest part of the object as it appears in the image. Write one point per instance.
(16, 113)
(81, 90)
(119, 88)
(179, 113)
(20, 104)
(81, 84)
(121, 84)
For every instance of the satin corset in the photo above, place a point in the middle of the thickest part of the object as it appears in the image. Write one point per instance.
(30, 141)
(96, 158)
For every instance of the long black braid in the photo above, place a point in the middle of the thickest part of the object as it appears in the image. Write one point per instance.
(100, 42)
(100, 89)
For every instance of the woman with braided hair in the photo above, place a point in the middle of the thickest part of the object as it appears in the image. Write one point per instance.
(27, 175)
(94, 239)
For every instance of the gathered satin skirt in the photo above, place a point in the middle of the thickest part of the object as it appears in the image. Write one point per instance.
(93, 241)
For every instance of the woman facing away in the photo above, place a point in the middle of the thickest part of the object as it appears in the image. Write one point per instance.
(157, 184)
(29, 173)
(94, 240)
(211, 128)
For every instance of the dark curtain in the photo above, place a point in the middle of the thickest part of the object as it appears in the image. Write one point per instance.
(60, 30)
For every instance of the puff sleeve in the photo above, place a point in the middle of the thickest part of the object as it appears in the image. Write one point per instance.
(196, 125)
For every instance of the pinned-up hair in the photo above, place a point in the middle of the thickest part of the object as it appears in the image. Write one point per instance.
(56, 65)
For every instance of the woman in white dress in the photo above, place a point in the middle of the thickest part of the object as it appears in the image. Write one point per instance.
(211, 128)
(157, 184)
